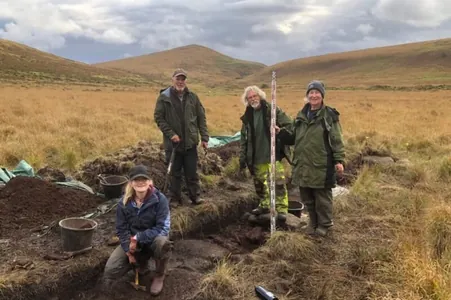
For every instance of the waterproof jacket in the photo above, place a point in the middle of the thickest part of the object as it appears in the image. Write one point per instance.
(183, 118)
(318, 146)
(147, 222)
(248, 149)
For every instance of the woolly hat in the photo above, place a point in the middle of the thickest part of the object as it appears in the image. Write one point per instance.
(316, 85)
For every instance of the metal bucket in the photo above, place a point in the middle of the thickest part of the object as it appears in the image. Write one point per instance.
(295, 208)
(113, 186)
(77, 233)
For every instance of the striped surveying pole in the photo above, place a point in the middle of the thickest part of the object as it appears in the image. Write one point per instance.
(273, 154)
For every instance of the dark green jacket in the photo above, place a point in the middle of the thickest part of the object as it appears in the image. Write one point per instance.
(183, 118)
(318, 146)
(247, 151)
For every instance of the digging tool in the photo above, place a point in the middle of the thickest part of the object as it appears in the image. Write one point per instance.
(136, 284)
(273, 154)
(169, 170)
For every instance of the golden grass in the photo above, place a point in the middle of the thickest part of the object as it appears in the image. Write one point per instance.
(65, 126)
(202, 64)
(393, 229)
(21, 63)
(400, 65)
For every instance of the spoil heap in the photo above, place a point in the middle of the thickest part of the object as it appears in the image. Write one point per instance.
(152, 156)
(30, 202)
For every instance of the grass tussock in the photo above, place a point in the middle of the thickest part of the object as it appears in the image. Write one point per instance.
(438, 224)
(222, 283)
(274, 266)
(287, 246)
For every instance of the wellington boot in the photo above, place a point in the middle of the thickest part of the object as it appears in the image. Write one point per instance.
(158, 282)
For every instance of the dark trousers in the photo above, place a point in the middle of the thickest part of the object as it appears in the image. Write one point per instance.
(186, 160)
(319, 206)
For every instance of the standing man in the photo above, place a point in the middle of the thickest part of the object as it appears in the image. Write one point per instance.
(181, 118)
(256, 150)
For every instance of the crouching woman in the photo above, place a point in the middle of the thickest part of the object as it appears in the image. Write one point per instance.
(142, 225)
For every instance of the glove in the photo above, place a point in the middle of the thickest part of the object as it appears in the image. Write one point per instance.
(131, 258)
(133, 245)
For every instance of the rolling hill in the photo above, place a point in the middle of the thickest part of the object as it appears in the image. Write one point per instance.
(423, 63)
(203, 65)
(22, 63)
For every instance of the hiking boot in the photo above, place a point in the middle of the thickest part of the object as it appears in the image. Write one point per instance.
(310, 229)
(197, 201)
(157, 284)
(260, 210)
(322, 231)
(282, 216)
(175, 201)
(264, 217)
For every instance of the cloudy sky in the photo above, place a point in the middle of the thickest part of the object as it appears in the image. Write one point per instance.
(267, 31)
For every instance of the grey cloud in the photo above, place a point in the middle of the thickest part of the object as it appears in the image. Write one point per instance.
(267, 31)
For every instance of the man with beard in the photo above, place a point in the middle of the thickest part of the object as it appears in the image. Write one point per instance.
(256, 151)
(181, 117)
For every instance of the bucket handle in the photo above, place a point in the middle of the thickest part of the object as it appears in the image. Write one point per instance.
(102, 179)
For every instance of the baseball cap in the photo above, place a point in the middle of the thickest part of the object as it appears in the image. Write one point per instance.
(139, 171)
(178, 72)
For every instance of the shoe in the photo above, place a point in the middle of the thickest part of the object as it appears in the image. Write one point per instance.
(322, 231)
(175, 202)
(310, 230)
(282, 216)
(197, 201)
(259, 211)
(157, 284)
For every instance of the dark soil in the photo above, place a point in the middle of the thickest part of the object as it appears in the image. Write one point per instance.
(51, 174)
(227, 152)
(29, 202)
(150, 155)
(190, 261)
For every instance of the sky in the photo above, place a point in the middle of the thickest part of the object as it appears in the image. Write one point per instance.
(267, 31)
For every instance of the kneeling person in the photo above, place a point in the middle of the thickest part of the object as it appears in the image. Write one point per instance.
(142, 225)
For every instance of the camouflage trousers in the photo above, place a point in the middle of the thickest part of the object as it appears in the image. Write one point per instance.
(261, 179)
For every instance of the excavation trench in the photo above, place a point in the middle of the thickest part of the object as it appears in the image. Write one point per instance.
(211, 233)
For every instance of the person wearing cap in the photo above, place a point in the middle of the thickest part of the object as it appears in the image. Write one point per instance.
(255, 151)
(181, 118)
(142, 225)
(318, 156)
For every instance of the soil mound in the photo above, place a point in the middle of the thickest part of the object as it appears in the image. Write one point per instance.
(29, 202)
(227, 152)
(153, 156)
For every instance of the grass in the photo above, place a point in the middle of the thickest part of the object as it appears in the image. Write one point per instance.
(407, 65)
(85, 123)
(202, 64)
(24, 64)
(392, 231)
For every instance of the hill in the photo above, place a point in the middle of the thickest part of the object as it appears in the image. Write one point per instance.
(203, 65)
(424, 63)
(22, 63)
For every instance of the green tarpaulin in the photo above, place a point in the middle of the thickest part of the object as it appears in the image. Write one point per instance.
(221, 140)
(24, 169)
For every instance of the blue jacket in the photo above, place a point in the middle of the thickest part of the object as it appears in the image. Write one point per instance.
(151, 220)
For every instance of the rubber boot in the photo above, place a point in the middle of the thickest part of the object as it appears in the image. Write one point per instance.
(260, 211)
(157, 283)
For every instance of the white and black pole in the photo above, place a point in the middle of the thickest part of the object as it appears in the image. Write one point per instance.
(273, 154)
